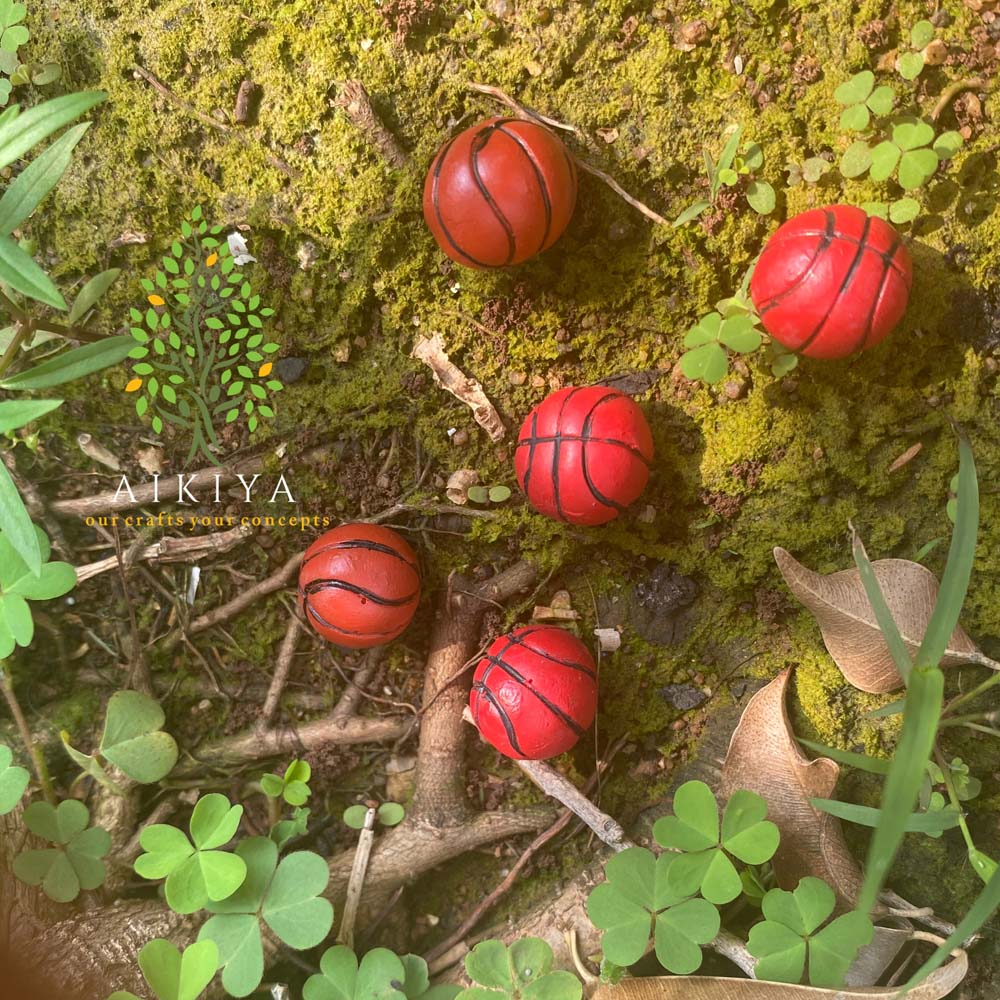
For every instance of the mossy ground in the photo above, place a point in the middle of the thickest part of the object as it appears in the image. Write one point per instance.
(616, 294)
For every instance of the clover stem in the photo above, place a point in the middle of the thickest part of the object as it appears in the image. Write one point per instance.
(357, 880)
(949, 784)
(34, 751)
(273, 810)
(23, 329)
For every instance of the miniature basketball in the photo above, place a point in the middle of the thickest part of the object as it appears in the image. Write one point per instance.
(359, 585)
(832, 282)
(499, 193)
(534, 693)
(583, 454)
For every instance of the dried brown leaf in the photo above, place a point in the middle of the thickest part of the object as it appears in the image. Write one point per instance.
(765, 758)
(840, 606)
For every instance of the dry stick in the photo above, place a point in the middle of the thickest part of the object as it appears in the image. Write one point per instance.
(533, 116)
(162, 88)
(357, 106)
(34, 750)
(896, 902)
(284, 662)
(354, 690)
(951, 92)
(139, 676)
(357, 881)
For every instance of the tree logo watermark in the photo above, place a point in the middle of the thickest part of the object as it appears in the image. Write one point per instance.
(202, 357)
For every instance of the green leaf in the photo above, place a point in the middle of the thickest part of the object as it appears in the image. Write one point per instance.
(354, 816)
(132, 739)
(91, 293)
(881, 100)
(947, 144)
(855, 118)
(761, 197)
(72, 364)
(690, 213)
(856, 160)
(498, 494)
(391, 813)
(746, 833)
(728, 153)
(873, 765)
(885, 157)
(272, 785)
(921, 34)
(679, 933)
(921, 822)
(707, 363)
(984, 866)
(37, 179)
(175, 976)
(48, 73)
(910, 65)
(293, 907)
(739, 334)
(214, 821)
(904, 210)
(20, 133)
(728, 177)
(284, 830)
(13, 781)
(19, 271)
(695, 823)
(487, 965)
(855, 90)
(910, 135)
(17, 413)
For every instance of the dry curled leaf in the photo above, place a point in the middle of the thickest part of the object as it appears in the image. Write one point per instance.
(457, 490)
(840, 606)
(939, 984)
(765, 758)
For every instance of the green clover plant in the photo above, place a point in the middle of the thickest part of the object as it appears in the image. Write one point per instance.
(293, 787)
(380, 975)
(637, 901)
(521, 972)
(388, 814)
(794, 940)
(862, 99)
(13, 781)
(132, 741)
(284, 896)
(732, 326)
(172, 975)
(74, 862)
(195, 870)
(911, 64)
(706, 864)
(286, 829)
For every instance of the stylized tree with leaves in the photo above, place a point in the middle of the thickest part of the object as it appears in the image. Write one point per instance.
(202, 353)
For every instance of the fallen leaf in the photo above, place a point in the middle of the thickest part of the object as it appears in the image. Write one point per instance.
(97, 452)
(609, 638)
(150, 459)
(938, 985)
(908, 456)
(431, 351)
(457, 490)
(874, 959)
(765, 758)
(609, 135)
(544, 612)
(840, 606)
(128, 239)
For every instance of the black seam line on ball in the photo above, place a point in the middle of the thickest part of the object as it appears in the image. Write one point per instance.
(824, 243)
(571, 163)
(889, 256)
(557, 439)
(844, 285)
(531, 452)
(542, 186)
(585, 434)
(870, 322)
(551, 706)
(436, 202)
(478, 144)
(505, 720)
(310, 610)
(363, 543)
(317, 585)
(581, 667)
(570, 438)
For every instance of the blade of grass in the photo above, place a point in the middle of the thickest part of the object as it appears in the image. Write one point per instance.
(873, 765)
(893, 708)
(920, 822)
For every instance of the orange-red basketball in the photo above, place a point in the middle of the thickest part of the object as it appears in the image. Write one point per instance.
(359, 585)
(499, 193)
(534, 693)
(583, 454)
(832, 281)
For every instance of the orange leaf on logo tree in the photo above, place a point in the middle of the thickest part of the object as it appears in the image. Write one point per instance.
(136, 383)
(156, 300)
(211, 259)
(265, 369)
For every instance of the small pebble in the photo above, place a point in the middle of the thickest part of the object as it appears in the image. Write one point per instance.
(460, 438)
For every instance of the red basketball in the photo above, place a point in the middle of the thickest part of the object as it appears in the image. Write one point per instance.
(534, 693)
(583, 454)
(499, 193)
(359, 585)
(832, 282)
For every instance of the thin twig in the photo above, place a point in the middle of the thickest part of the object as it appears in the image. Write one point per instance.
(139, 676)
(34, 750)
(357, 107)
(281, 668)
(356, 883)
(354, 688)
(952, 91)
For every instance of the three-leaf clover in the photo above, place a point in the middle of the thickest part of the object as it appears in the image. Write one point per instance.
(521, 972)
(13, 781)
(911, 64)
(195, 870)
(14, 34)
(863, 99)
(172, 975)
(380, 975)
(388, 814)
(789, 942)
(74, 863)
(706, 357)
(293, 787)
(18, 585)
(637, 900)
(285, 896)
(132, 740)
(705, 865)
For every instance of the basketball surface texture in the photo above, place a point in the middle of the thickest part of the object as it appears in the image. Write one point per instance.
(359, 585)
(534, 693)
(831, 282)
(499, 193)
(583, 454)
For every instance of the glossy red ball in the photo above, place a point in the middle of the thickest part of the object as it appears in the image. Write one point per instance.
(583, 454)
(534, 693)
(359, 585)
(499, 193)
(832, 281)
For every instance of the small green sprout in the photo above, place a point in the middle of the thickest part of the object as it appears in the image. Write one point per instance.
(293, 787)
(809, 171)
(951, 508)
(381, 974)
(731, 327)
(862, 99)
(286, 829)
(74, 863)
(494, 494)
(388, 814)
(521, 972)
(705, 864)
(911, 64)
(792, 941)
(13, 781)
(195, 870)
(636, 900)
(172, 975)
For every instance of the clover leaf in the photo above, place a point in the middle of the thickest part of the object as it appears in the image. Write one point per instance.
(521, 972)
(18, 585)
(789, 944)
(417, 984)
(705, 865)
(293, 787)
(284, 830)
(74, 863)
(862, 99)
(14, 33)
(381, 975)
(637, 900)
(285, 896)
(172, 975)
(195, 872)
(13, 781)
(730, 326)
(388, 814)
